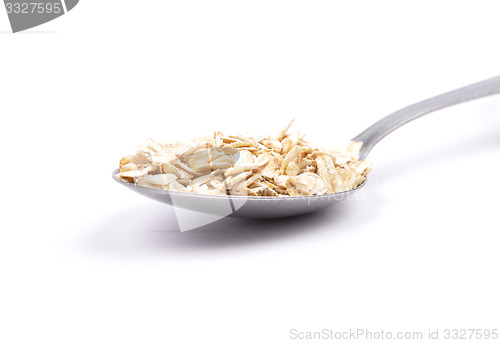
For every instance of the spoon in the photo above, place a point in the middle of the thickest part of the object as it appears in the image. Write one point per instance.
(278, 207)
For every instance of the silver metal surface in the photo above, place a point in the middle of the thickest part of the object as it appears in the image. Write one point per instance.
(386, 125)
(278, 207)
(243, 206)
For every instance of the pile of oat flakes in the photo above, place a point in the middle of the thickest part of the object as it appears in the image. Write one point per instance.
(284, 165)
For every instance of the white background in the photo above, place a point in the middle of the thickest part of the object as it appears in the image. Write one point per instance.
(85, 260)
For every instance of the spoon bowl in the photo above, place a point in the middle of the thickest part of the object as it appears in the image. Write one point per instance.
(241, 206)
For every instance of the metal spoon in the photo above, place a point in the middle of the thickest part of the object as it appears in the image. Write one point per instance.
(276, 207)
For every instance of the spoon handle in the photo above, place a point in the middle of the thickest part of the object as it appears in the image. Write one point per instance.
(386, 125)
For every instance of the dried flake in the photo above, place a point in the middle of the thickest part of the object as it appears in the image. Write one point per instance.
(306, 184)
(272, 143)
